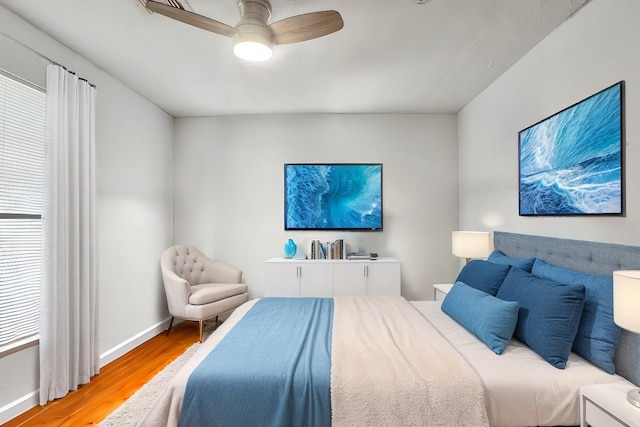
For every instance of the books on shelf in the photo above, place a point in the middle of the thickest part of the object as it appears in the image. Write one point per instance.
(336, 250)
(328, 250)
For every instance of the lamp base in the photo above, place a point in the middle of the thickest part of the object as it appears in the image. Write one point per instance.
(633, 396)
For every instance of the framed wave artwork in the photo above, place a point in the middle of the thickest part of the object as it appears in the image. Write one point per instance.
(333, 196)
(571, 163)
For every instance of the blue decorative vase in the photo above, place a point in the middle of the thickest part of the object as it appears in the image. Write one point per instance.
(290, 249)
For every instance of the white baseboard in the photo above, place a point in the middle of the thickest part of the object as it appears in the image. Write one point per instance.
(18, 406)
(31, 400)
(128, 345)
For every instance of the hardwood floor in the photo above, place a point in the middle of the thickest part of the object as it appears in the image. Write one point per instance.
(116, 382)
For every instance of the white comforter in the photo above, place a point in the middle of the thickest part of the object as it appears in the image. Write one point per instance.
(390, 367)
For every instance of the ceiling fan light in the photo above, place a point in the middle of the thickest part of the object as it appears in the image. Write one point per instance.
(252, 43)
(252, 51)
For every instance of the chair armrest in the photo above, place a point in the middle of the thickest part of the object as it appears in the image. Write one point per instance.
(177, 290)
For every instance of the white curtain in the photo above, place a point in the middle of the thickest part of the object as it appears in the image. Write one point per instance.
(69, 345)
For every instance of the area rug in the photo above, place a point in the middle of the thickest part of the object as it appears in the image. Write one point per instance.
(131, 412)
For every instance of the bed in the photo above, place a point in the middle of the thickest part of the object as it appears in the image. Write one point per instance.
(429, 383)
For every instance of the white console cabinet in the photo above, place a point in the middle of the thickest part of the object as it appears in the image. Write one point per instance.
(326, 278)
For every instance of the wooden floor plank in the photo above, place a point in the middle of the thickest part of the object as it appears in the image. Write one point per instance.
(115, 383)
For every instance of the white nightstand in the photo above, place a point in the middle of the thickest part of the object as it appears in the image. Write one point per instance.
(441, 290)
(606, 405)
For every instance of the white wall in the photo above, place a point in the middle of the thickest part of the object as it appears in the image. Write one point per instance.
(594, 49)
(229, 187)
(135, 205)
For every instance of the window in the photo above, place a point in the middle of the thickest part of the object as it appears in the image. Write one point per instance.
(22, 130)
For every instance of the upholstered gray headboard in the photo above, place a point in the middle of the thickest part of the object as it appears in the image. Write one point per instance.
(585, 257)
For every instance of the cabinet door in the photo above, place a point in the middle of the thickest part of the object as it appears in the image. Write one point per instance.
(281, 279)
(316, 279)
(349, 279)
(383, 278)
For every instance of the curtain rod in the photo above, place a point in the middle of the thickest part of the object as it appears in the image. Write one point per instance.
(43, 57)
(73, 72)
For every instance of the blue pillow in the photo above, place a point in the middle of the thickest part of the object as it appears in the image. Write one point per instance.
(522, 263)
(597, 337)
(490, 319)
(483, 275)
(549, 313)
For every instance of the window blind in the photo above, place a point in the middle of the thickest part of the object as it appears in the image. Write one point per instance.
(22, 133)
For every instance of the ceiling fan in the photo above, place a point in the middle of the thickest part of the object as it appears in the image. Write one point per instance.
(253, 36)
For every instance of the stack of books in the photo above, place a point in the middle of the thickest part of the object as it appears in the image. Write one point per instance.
(328, 250)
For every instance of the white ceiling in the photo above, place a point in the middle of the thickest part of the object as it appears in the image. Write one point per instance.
(392, 56)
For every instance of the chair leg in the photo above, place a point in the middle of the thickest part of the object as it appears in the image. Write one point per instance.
(170, 324)
(201, 329)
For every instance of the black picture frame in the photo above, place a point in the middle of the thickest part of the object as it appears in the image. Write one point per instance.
(572, 162)
(333, 196)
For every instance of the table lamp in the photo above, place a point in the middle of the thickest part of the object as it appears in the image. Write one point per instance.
(626, 312)
(470, 244)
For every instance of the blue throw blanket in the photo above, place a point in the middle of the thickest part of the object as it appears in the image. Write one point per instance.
(272, 369)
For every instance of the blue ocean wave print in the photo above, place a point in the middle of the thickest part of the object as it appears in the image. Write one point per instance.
(333, 197)
(571, 163)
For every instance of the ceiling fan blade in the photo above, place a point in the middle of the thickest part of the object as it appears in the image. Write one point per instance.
(304, 27)
(190, 18)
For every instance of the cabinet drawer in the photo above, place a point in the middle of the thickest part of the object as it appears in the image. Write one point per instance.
(597, 417)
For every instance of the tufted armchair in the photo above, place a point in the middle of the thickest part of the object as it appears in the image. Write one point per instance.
(199, 288)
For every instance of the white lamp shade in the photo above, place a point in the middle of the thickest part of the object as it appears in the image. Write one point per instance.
(470, 244)
(626, 299)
